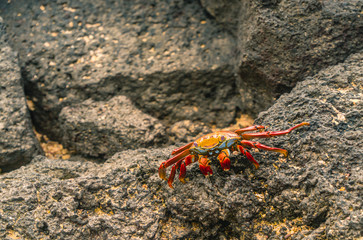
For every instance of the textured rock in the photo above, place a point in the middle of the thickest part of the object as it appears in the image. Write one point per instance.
(225, 12)
(168, 57)
(283, 42)
(321, 183)
(60, 199)
(311, 195)
(18, 144)
(100, 129)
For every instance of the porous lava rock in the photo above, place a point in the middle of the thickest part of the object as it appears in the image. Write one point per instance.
(314, 193)
(62, 199)
(18, 144)
(102, 128)
(172, 60)
(282, 42)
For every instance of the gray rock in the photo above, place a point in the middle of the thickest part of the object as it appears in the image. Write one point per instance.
(321, 182)
(283, 42)
(226, 12)
(168, 57)
(18, 144)
(312, 194)
(60, 199)
(100, 129)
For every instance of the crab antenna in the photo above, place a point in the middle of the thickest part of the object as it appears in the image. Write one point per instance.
(180, 149)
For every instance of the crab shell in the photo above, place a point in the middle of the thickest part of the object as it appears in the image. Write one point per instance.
(213, 143)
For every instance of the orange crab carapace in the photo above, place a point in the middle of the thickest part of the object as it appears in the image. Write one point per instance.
(220, 144)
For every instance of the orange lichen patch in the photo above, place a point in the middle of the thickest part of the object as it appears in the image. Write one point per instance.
(291, 227)
(30, 104)
(52, 149)
(170, 226)
(11, 234)
(99, 211)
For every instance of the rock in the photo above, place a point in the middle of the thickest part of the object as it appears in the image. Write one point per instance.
(100, 129)
(187, 131)
(319, 184)
(283, 42)
(88, 64)
(18, 144)
(226, 12)
(315, 193)
(61, 199)
(169, 58)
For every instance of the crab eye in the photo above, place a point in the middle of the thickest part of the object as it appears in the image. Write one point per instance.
(223, 138)
(196, 144)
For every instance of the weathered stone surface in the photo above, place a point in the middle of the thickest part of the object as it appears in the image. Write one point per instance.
(168, 57)
(321, 182)
(18, 144)
(225, 12)
(313, 194)
(187, 131)
(100, 129)
(283, 42)
(60, 199)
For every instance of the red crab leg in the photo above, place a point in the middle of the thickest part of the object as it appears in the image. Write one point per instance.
(183, 170)
(204, 166)
(258, 145)
(251, 128)
(169, 162)
(248, 155)
(180, 149)
(223, 158)
(172, 173)
(269, 134)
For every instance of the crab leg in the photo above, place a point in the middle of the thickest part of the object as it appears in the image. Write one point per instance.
(169, 162)
(258, 145)
(182, 171)
(269, 134)
(223, 158)
(180, 149)
(173, 171)
(204, 166)
(251, 128)
(248, 155)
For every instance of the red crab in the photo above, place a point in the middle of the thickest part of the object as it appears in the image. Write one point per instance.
(219, 144)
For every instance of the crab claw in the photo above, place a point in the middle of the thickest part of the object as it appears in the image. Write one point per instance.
(224, 160)
(226, 164)
(204, 166)
(171, 177)
(189, 159)
(162, 171)
(182, 172)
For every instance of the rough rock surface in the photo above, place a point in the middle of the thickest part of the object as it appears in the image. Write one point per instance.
(18, 144)
(100, 129)
(56, 199)
(226, 12)
(322, 182)
(170, 58)
(282, 42)
(314, 194)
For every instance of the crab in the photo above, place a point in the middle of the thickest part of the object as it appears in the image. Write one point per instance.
(219, 144)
